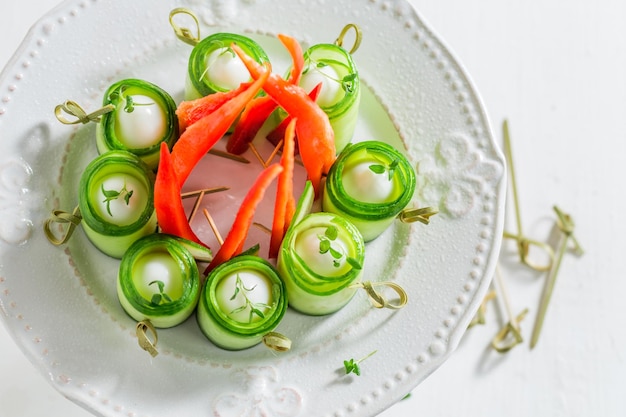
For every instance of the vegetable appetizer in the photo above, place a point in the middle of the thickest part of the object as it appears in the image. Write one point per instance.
(130, 196)
(159, 280)
(370, 183)
(142, 118)
(214, 67)
(116, 201)
(243, 300)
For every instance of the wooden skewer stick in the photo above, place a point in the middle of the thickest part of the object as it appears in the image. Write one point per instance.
(228, 155)
(213, 226)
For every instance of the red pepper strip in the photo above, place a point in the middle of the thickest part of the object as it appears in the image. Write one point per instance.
(258, 110)
(167, 202)
(297, 57)
(233, 243)
(254, 115)
(316, 139)
(191, 111)
(200, 137)
(284, 192)
(278, 134)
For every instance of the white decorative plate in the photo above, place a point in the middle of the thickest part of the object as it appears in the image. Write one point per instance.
(60, 303)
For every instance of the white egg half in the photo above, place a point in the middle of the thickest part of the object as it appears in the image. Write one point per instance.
(331, 91)
(363, 184)
(225, 69)
(307, 246)
(158, 266)
(116, 209)
(144, 126)
(231, 296)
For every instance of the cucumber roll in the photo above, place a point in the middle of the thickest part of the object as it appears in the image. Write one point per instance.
(158, 280)
(214, 67)
(116, 201)
(369, 183)
(340, 94)
(144, 116)
(320, 257)
(243, 300)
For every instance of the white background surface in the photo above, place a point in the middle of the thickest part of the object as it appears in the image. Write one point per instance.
(557, 71)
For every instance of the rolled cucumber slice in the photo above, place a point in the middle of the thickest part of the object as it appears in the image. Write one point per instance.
(144, 116)
(158, 280)
(243, 300)
(369, 184)
(340, 95)
(116, 201)
(305, 203)
(214, 67)
(320, 257)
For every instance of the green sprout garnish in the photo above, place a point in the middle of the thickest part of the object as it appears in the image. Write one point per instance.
(111, 195)
(130, 104)
(326, 246)
(383, 167)
(117, 97)
(255, 308)
(352, 366)
(347, 82)
(160, 297)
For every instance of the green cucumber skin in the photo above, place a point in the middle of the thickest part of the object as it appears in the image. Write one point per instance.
(226, 333)
(317, 305)
(195, 87)
(344, 125)
(116, 246)
(137, 307)
(222, 337)
(304, 205)
(342, 115)
(310, 293)
(371, 219)
(370, 229)
(106, 138)
(112, 239)
(199, 252)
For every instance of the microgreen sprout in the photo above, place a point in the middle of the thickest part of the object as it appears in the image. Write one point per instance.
(160, 297)
(352, 366)
(255, 308)
(381, 168)
(111, 195)
(118, 96)
(347, 81)
(337, 253)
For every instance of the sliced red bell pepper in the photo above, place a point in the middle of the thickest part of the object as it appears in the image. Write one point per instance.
(167, 202)
(200, 137)
(192, 145)
(258, 110)
(233, 244)
(289, 212)
(316, 139)
(297, 57)
(254, 115)
(189, 112)
(284, 192)
(278, 134)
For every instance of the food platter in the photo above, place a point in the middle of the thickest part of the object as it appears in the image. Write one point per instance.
(60, 305)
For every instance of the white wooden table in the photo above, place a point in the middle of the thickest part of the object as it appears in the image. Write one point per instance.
(557, 71)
